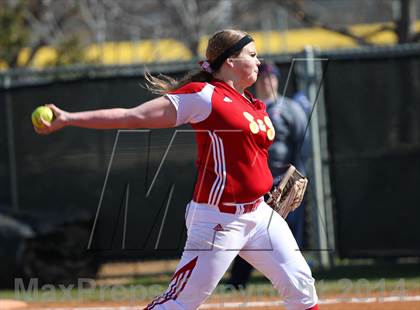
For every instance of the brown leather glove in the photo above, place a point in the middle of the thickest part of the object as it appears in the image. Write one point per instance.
(288, 194)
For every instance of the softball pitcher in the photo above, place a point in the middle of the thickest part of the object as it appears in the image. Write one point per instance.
(227, 215)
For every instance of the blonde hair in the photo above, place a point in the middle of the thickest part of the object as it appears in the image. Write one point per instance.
(217, 44)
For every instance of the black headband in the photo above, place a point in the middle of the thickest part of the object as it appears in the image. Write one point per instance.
(217, 63)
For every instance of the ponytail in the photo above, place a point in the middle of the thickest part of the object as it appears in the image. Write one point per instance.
(163, 84)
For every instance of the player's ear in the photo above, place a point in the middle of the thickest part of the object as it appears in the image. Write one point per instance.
(229, 62)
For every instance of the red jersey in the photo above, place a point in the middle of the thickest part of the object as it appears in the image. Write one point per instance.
(233, 134)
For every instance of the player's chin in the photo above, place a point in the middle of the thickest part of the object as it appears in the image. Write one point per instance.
(251, 79)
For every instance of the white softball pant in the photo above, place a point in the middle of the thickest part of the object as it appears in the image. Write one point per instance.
(261, 237)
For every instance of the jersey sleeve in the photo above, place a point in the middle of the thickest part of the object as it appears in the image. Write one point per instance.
(192, 102)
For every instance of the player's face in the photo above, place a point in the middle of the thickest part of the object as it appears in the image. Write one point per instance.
(245, 65)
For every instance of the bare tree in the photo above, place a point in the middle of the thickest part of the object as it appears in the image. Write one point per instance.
(34, 24)
(194, 19)
(403, 24)
(74, 23)
(188, 20)
(184, 20)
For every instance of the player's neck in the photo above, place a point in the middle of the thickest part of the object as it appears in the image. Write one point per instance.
(240, 89)
(232, 82)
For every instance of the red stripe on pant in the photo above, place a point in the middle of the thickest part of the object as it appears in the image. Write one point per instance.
(313, 308)
(172, 293)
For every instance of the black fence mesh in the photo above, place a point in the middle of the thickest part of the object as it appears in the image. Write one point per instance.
(87, 173)
(65, 173)
(374, 145)
(373, 107)
(5, 191)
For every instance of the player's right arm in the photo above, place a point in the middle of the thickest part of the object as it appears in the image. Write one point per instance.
(156, 113)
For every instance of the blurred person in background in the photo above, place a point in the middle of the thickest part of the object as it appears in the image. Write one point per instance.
(291, 145)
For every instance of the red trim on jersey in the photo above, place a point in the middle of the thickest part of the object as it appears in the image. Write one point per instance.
(313, 308)
(190, 88)
(177, 284)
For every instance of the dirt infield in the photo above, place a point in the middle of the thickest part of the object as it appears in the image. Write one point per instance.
(373, 306)
(12, 304)
(343, 306)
